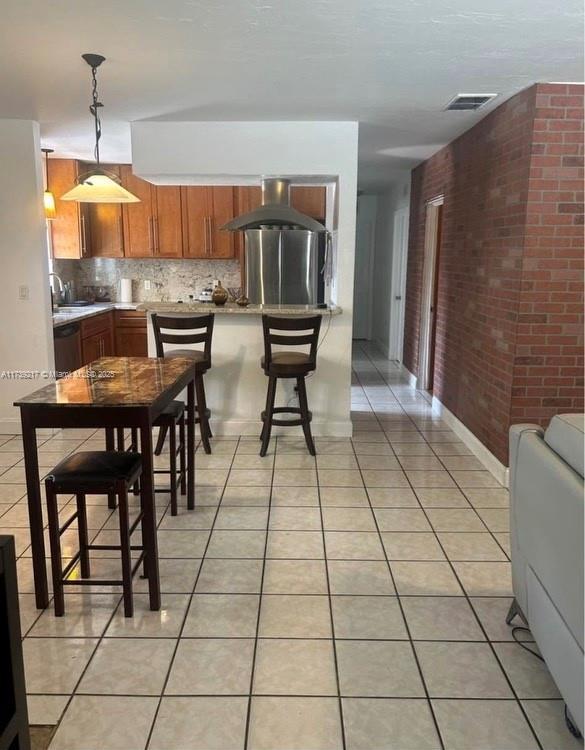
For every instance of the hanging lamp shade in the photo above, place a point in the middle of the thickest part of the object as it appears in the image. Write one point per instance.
(97, 185)
(49, 203)
(48, 197)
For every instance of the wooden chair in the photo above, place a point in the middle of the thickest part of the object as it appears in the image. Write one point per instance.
(94, 472)
(288, 364)
(187, 329)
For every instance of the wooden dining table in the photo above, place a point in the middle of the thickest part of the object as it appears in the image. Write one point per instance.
(109, 393)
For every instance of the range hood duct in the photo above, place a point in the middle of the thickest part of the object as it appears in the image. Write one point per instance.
(275, 211)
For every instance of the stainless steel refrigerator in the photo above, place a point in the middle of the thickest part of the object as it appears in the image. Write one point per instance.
(284, 266)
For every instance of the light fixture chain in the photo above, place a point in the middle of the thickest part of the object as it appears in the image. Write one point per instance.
(94, 109)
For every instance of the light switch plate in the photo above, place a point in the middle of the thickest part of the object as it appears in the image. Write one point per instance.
(23, 292)
(147, 284)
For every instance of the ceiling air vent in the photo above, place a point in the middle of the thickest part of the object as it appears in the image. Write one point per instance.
(469, 101)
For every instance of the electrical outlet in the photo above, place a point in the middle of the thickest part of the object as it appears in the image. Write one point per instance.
(147, 284)
(23, 292)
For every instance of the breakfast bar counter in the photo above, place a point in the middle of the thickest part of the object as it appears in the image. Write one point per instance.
(235, 384)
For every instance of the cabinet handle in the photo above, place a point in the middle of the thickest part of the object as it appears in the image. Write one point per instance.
(82, 235)
(156, 237)
(151, 235)
(205, 248)
(209, 230)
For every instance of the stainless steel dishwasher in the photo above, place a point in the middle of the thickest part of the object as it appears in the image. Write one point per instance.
(67, 339)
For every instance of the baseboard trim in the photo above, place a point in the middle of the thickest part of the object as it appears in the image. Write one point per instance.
(382, 347)
(491, 463)
(227, 427)
(412, 379)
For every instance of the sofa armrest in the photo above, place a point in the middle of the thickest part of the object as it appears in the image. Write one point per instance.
(516, 432)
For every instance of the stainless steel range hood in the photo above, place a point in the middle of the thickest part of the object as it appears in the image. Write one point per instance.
(275, 211)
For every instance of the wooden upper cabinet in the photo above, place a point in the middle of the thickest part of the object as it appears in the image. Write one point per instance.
(195, 224)
(105, 226)
(168, 232)
(221, 243)
(205, 210)
(138, 217)
(70, 227)
(152, 228)
(309, 200)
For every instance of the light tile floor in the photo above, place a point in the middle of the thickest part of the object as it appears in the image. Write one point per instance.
(353, 601)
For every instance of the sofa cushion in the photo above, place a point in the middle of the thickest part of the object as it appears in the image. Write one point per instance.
(565, 435)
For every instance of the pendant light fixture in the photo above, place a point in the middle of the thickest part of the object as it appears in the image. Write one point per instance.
(98, 185)
(48, 197)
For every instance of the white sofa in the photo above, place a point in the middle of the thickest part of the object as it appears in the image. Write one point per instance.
(546, 515)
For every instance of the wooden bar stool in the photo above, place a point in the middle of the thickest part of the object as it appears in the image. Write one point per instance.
(94, 472)
(289, 364)
(187, 329)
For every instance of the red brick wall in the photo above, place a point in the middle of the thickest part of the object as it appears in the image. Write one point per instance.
(490, 365)
(548, 371)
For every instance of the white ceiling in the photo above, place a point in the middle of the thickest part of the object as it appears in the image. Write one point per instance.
(391, 64)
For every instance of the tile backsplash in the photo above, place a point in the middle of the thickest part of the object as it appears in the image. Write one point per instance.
(170, 280)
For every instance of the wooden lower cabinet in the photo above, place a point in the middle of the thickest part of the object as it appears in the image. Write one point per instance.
(130, 333)
(97, 337)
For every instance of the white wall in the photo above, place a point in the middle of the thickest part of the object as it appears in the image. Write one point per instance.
(242, 152)
(364, 266)
(26, 335)
(389, 202)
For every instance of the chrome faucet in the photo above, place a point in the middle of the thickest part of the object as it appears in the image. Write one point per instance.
(56, 296)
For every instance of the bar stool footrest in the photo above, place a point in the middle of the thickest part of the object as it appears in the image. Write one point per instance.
(287, 422)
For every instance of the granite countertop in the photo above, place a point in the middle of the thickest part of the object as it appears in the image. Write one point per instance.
(230, 308)
(75, 314)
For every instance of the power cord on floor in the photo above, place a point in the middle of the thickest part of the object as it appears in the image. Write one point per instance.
(520, 629)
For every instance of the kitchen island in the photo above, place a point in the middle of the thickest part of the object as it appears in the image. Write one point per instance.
(236, 385)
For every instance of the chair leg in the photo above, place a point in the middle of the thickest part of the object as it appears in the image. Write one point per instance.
(120, 438)
(110, 446)
(303, 403)
(83, 535)
(182, 455)
(270, 396)
(173, 467)
(55, 541)
(135, 448)
(125, 550)
(201, 408)
(160, 443)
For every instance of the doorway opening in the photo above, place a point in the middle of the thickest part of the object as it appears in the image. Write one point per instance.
(428, 321)
(398, 284)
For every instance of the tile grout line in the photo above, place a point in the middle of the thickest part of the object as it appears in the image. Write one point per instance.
(190, 601)
(489, 643)
(405, 620)
(260, 595)
(333, 638)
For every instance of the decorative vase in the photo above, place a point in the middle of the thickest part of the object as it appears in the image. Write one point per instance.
(219, 295)
(243, 301)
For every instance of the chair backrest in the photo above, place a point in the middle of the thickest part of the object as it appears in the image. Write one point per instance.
(310, 327)
(194, 329)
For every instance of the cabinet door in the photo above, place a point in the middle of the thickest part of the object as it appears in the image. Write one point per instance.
(168, 235)
(91, 348)
(105, 226)
(221, 205)
(247, 198)
(108, 346)
(309, 200)
(131, 342)
(138, 217)
(195, 222)
(67, 237)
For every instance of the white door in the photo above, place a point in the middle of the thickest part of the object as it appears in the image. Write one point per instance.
(399, 260)
(364, 265)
